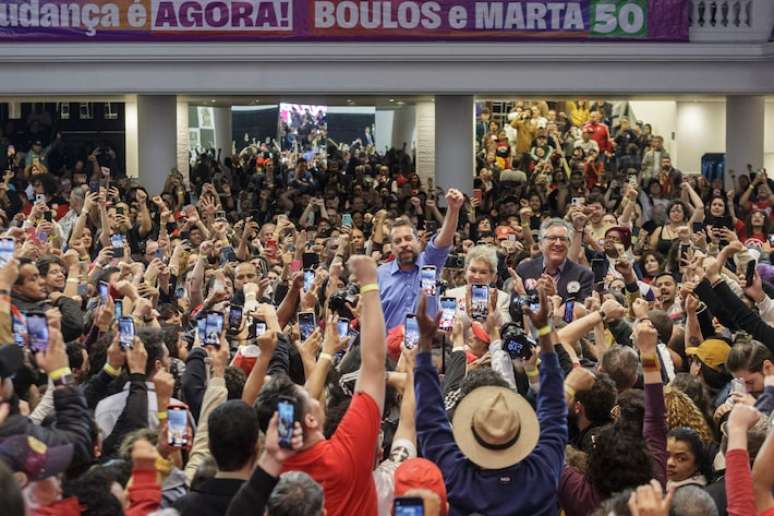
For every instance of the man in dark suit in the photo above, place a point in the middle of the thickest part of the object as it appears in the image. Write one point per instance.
(572, 281)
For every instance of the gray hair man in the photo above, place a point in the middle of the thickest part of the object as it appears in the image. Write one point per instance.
(570, 280)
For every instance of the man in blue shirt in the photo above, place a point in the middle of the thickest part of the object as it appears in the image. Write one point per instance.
(498, 458)
(399, 279)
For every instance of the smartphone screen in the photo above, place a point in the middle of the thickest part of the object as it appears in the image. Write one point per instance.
(117, 242)
(213, 328)
(37, 331)
(308, 279)
(411, 335)
(104, 291)
(408, 506)
(234, 317)
(346, 220)
(119, 309)
(177, 426)
(569, 311)
(306, 324)
(125, 332)
(427, 280)
(448, 309)
(119, 210)
(286, 412)
(479, 298)
(343, 327)
(478, 194)
(260, 328)
(7, 248)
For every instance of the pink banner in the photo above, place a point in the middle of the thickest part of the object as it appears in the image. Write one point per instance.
(343, 20)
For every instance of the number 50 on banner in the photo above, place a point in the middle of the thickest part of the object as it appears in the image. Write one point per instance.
(619, 18)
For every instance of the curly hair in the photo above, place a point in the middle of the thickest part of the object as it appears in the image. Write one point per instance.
(699, 394)
(619, 460)
(681, 411)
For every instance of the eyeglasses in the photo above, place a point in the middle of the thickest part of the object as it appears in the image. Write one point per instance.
(556, 238)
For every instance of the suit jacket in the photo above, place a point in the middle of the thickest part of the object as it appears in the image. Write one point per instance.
(533, 268)
(503, 301)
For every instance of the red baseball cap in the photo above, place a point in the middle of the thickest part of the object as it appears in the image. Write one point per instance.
(480, 333)
(418, 473)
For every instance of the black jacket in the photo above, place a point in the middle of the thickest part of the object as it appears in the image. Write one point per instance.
(133, 417)
(72, 425)
(253, 495)
(72, 315)
(212, 498)
(721, 298)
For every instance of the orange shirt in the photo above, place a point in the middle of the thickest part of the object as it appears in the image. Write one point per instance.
(343, 464)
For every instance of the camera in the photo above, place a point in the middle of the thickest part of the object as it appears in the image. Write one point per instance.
(455, 261)
(518, 303)
(516, 342)
(532, 301)
(338, 301)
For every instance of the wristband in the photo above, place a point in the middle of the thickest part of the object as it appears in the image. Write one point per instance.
(368, 288)
(112, 371)
(325, 356)
(162, 415)
(650, 363)
(58, 373)
(569, 390)
(533, 373)
(545, 330)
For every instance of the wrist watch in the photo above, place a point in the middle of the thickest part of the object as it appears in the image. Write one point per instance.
(67, 379)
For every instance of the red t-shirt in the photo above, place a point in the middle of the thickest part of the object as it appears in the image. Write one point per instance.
(343, 464)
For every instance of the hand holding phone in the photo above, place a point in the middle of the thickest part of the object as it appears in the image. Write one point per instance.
(286, 411)
(126, 332)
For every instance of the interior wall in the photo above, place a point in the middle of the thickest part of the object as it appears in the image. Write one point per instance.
(662, 116)
(384, 120)
(768, 137)
(701, 129)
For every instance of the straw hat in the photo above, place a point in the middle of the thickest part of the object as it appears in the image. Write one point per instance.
(495, 427)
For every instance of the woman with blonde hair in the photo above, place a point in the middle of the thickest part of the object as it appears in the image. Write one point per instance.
(681, 411)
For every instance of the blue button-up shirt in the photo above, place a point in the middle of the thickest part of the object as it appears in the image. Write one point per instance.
(399, 290)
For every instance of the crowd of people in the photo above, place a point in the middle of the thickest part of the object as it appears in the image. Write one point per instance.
(587, 331)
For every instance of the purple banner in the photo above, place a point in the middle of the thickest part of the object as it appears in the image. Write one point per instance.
(343, 20)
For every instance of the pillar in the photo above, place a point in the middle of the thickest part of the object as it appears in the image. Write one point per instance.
(744, 133)
(157, 139)
(454, 137)
(223, 135)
